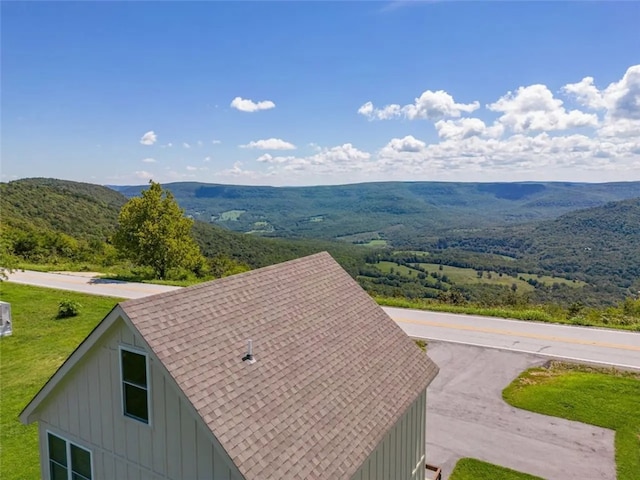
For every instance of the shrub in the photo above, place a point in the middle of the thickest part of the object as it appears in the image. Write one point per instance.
(68, 308)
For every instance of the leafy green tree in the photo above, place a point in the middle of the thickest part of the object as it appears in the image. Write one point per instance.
(153, 231)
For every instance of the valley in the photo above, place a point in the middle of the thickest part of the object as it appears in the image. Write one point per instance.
(528, 247)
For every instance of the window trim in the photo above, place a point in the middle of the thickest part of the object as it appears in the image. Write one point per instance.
(68, 444)
(137, 351)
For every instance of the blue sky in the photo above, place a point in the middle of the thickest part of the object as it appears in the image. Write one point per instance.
(304, 93)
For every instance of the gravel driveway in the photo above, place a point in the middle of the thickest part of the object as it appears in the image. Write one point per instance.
(466, 417)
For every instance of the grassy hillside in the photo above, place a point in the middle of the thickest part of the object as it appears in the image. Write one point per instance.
(390, 211)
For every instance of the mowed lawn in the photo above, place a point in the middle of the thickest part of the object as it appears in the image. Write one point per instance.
(609, 399)
(38, 346)
(472, 469)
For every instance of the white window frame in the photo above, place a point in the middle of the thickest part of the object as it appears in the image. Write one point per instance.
(137, 351)
(68, 444)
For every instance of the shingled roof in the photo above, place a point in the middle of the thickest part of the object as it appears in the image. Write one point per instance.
(333, 372)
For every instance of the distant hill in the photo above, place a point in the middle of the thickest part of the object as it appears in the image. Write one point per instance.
(601, 242)
(43, 218)
(77, 209)
(386, 210)
(599, 245)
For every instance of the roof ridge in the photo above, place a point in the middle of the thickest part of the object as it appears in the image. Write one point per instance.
(220, 281)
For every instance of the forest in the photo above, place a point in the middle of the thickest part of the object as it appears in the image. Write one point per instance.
(582, 258)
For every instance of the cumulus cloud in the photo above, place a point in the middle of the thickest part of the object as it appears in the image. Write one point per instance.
(270, 144)
(268, 158)
(216, 142)
(516, 156)
(466, 128)
(536, 135)
(149, 160)
(535, 108)
(246, 105)
(620, 102)
(186, 145)
(148, 138)
(430, 105)
(406, 144)
(143, 175)
(341, 158)
(586, 93)
(623, 97)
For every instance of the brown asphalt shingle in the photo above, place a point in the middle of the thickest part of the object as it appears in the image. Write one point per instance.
(333, 372)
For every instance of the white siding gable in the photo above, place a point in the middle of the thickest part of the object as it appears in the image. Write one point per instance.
(86, 408)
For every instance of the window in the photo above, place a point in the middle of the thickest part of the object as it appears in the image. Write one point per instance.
(68, 461)
(135, 386)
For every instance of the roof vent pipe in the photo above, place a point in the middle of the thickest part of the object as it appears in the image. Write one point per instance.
(249, 356)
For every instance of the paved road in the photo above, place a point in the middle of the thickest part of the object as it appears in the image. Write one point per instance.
(595, 345)
(88, 283)
(609, 347)
(466, 417)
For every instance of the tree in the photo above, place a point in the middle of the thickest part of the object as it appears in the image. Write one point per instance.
(153, 231)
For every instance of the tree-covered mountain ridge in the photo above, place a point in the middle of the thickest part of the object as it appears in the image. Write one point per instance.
(386, 210)
(44, 221)
(47, 220)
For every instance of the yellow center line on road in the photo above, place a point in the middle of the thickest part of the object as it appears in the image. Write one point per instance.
(513, 333)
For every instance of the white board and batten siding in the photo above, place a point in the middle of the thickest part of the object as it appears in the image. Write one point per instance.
(400, 455)
(86, 409)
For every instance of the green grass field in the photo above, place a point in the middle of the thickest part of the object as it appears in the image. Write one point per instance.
(38, 346)
(549, 281)
(472, 469)
(375, 243)
(230, 215)
(608, 399)
(463, 276)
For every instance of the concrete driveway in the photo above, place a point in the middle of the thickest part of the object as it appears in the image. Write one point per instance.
(466, 417)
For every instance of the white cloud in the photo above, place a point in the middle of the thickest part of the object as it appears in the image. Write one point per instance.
(186, 145)
(149, 138)
(268, 158)
(216, 142)
(168, 145)
(341, 158)
(191, 168)
(270, 144)
(623, 98)
(534, 108)
(516, 157)
(586, 93)
(620, 102)
(430, 105)
(149, 160)
(407, 144)
(246, 105)
(199, 143)
(143, 175)
(465, 128)
(207, 159)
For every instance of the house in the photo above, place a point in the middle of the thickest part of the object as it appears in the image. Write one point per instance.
(166, 388)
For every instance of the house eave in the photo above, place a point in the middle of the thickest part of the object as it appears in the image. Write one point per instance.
(28, 414)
